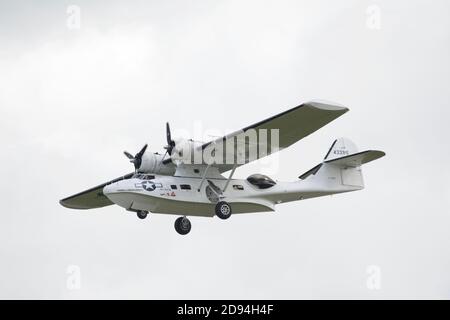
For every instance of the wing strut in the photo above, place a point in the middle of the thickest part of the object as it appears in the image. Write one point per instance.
(203, 178)
(229, 178)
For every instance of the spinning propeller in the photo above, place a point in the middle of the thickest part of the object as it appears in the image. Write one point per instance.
(137, 159)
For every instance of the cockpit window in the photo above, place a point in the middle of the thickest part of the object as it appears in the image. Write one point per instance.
(144, 176)
(261, 181)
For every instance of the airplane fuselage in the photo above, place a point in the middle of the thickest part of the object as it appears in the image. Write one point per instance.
(188, 196)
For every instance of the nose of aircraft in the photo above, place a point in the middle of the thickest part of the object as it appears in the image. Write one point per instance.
(109, 188)
(111, 191)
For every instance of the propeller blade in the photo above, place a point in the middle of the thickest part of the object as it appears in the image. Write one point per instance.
(168, 135)
(164, 160)
(128, 155)
(137, 159)
(170, 142)
(141, 153)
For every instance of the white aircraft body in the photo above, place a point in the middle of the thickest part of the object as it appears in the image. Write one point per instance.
(174, 183)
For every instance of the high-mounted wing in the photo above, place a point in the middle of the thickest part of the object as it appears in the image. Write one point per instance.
(293, 125)
(91, 198)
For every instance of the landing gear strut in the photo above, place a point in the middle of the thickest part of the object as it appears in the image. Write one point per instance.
(223, 210)
(142, 214)
(182, 225)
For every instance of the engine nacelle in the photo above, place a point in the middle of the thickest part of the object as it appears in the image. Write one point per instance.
(152, 163)
(184, 152)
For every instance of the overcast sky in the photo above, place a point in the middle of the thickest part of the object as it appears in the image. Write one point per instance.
(73, 97)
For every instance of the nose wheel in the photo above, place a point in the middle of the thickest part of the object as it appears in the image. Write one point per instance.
(182, 225)
(142, 214)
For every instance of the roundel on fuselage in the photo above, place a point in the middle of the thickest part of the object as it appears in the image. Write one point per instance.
(148, 185)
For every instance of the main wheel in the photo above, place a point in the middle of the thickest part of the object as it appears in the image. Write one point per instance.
(182, 225)
(223, 210)
(142, 214)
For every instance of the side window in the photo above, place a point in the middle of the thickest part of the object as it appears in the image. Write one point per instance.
(185, 186)
(238, 187)
(173, 187)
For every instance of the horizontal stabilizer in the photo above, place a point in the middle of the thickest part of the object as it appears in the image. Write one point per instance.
(312, 171)
(357, 159)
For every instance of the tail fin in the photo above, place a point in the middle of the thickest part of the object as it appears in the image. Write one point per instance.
(340, 148)
(341, 166)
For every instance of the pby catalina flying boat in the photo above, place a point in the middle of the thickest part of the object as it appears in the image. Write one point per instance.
(188, 179)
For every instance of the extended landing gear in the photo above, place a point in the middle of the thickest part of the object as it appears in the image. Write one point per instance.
(223, 210)
(142, 214)
(182, 225)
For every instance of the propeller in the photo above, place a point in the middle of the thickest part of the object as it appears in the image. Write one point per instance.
(137, 159)
(170, 142)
